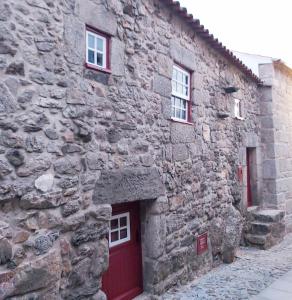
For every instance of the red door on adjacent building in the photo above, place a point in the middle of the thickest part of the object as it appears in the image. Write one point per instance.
(248, 171)
(123, 279)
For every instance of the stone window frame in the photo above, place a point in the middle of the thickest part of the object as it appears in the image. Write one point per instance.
(107, 42)
(119, 228)
(181, 97)
(238, 109)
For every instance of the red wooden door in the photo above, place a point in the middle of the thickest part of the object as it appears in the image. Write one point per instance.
(123, 279)
(248, 169)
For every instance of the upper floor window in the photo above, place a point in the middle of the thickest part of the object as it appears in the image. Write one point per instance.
(97, 49)
(238, 109)
(180, 96)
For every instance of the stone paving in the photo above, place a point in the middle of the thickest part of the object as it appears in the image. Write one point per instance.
(281, 289)
(251, 273)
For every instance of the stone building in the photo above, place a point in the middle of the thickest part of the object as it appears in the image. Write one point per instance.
(276, 125)
(124, 131)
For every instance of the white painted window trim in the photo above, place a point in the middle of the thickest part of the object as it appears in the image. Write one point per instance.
(179, 120)
(181, 109)
(237, 109)
(104, 52)
(118, 229)
(185, 98)
(176, 94)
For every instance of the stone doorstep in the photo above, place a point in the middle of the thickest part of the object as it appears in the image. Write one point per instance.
(261, 228)
(268, 215)
(266, 227)
(263, 241)
(255, 239)
(252, 209)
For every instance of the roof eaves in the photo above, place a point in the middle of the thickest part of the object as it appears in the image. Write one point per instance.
(211, 40)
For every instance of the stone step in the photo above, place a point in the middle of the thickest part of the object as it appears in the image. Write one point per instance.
(264, 241)
(266, 227)
(256, 240)
(268, 215)
(259, 228)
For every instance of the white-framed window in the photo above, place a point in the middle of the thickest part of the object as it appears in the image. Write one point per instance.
(180, 95)
(119, 229)
(96, 50)
(238, 109)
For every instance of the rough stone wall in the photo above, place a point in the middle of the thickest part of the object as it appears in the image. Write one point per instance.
(65, 129)
(276, 111)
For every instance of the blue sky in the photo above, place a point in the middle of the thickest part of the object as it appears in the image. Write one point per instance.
(252, 26)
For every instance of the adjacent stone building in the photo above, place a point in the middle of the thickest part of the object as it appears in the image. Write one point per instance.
(124, 132)
(276, 125)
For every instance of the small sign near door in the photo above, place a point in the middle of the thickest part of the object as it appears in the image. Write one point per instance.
(202, 243)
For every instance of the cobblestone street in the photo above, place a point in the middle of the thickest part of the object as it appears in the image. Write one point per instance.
(252, 272)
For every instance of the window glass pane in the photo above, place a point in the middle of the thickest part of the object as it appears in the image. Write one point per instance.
(91, 39)
(173, 86)
(123, 233)
(180, 103)
(186, 79)
(173, 106)
(179, 108)
(114, 224)
(177, 113)
(91, 56)
(172, 101)
(114, 236)
(185, 90)
(184, 104)
(174, 73)
(176, 102)
(123, 221)
(99, 59)
(99, 44)
(173, 112)
(180, 77)
(179, 88)
(177, 85)
(183, 114)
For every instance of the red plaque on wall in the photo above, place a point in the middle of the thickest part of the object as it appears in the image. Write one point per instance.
(202, 243)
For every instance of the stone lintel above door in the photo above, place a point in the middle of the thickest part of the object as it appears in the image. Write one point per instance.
(128, 185)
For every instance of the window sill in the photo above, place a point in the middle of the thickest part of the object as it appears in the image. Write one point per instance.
(181, 121)
(93, 67)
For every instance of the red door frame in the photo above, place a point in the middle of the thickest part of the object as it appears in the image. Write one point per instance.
(248, 167)
(111, 283)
